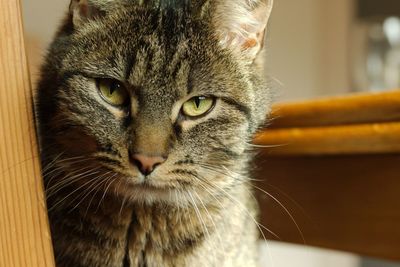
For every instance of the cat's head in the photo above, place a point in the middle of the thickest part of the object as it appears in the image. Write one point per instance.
(155, 101)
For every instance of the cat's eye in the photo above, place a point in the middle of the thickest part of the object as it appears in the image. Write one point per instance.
(113, 92)
(197, 106)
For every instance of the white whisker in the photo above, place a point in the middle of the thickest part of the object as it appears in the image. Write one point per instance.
(284, 208)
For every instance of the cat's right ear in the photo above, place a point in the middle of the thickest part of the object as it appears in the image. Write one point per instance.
(83, 11)
(241, 25)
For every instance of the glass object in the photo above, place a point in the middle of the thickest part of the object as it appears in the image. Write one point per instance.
(376, 52)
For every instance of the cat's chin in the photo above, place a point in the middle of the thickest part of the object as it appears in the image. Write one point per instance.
(146, 191)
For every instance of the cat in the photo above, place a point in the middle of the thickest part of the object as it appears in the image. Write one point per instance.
(146, 112)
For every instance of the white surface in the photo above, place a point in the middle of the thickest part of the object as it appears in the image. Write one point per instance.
(277, 254)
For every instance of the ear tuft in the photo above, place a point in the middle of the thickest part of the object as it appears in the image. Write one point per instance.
(241, 25)
(83, 11)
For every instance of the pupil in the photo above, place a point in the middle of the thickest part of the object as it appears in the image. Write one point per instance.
(113, 87)
(197, 101)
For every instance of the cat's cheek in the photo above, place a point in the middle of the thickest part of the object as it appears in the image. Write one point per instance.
(77, 142)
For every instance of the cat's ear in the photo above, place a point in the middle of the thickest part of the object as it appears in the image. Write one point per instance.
(241, 25)
(84, 10)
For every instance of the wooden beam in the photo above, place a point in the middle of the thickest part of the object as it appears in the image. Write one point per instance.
(24, 232)
(374, 138)
(343, 110)
(352, 124)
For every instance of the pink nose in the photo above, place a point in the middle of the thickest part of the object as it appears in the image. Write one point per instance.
(146, 164)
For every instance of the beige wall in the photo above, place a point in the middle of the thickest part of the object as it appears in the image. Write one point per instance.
(308, 47)
(41, 17)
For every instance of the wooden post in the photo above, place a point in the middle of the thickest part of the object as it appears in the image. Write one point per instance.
(25, 239)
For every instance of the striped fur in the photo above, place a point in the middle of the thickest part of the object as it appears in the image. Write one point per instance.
(195, 209)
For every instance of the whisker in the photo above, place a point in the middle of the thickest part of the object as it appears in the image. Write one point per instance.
(51, 163)
(122, 205)
(259, 225)
(280, 191)
(212, 221)
(284, 208)
(95, 186)
(266, 146)
(244, 181)
(87, 191)
(198, 214)
(102, 181)
(276, 200)
(60, 169)
(54, 189)
(71, 193)
(110, 181)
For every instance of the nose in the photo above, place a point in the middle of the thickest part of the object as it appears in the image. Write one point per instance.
(146, 164)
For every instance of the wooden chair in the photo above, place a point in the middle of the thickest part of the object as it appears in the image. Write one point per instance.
(334, 172)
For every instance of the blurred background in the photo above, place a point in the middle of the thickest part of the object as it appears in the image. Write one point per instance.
(315, 48)
(320, 48)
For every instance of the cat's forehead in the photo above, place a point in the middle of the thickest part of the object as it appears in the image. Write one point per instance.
(144, 47)
(151, 26)
(161, 55)
(155, 66)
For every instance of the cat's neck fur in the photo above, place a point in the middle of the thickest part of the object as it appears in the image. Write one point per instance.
(158, 234)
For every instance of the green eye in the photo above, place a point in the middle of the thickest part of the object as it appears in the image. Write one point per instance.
(197, 106)
(112, 91)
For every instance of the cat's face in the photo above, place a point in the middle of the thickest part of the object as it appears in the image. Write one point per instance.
(155, 106)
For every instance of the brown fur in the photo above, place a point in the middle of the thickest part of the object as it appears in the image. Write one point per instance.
(196, 208)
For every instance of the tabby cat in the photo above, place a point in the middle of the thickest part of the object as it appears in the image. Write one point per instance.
(146, 113)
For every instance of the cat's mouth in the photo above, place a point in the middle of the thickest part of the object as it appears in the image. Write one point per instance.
(146, 190)
(151, 184)
(146, 183)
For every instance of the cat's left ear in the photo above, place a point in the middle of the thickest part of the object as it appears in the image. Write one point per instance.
(241, 26)
(83, 11)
